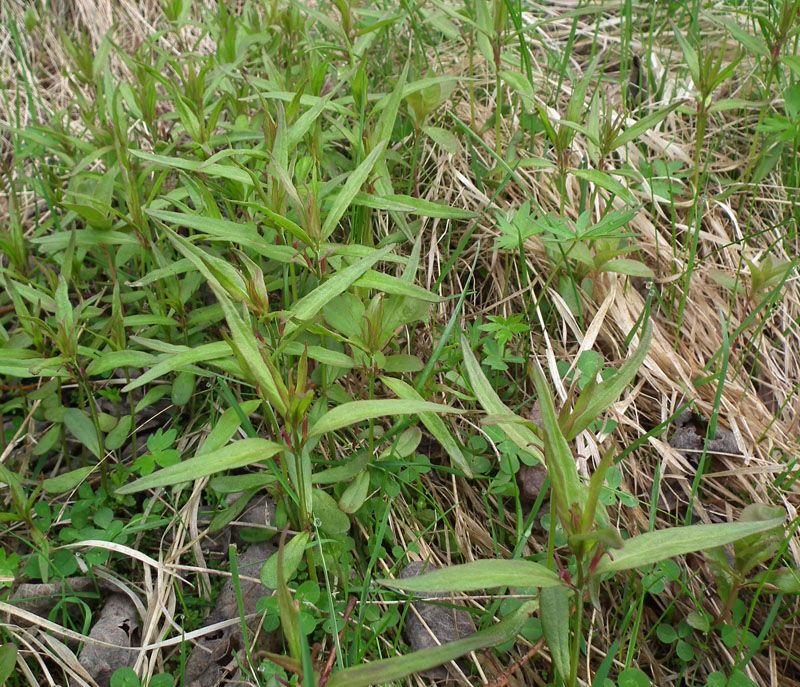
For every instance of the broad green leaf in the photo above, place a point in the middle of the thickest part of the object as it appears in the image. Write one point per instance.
(751, 551)
(34, 367)
(554, 612)
(402, 363)
(236, 455)
(433, 423)
(392, 669)
(785, 580)
(626, 266)
(357, 411)
(332, 520)
(183, 388)
(200, 354)
(491, 403)
(653, 547)
(292, 555)
(66, 481)
(308, 306)
(597, 398)
(344, 472)
(447, 140)
(117, 436)
(561, 468)
(322, 355)
(355, 494)
(483, 574)
(8, 659)
(352, 186)
(226, 426)
(82, 428)
(519, 82)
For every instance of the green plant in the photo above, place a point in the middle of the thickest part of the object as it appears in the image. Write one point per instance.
(579, 251)
(596, 548)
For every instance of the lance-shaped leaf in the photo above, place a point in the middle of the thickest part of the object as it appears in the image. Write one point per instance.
(554, 612)
(236, 455)
(488, 398)
(485, 574)
(653, 547)
(561, 468)
(357, 411)
(433, 423)
(199, 354)
(310, 304)
(352, 186)
(596, 398)
(391, 669)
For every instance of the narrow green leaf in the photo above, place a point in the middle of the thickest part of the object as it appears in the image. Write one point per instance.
(689, 54)
(82, 428)
(285, 566)
(352, 186)
(591, 405)
(221, 228)
(554, 612)
(395, 286)
(357, 411)
(483, 574)
(212, 170)
(491, 403)
(634, 131)
(389, 107)
(391, 669)
(653, 547)
(236, 455)
(308, 306)
(605, 181)
(200, 354)
(114, 359)
(66, 481)
(427, 208)
(561, 468)
(322, 355)
(227, 426)
(433, 423)
(247, 349)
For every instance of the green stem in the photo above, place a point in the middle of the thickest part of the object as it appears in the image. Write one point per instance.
(499, 112)
(412, 178)
(577, 629)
